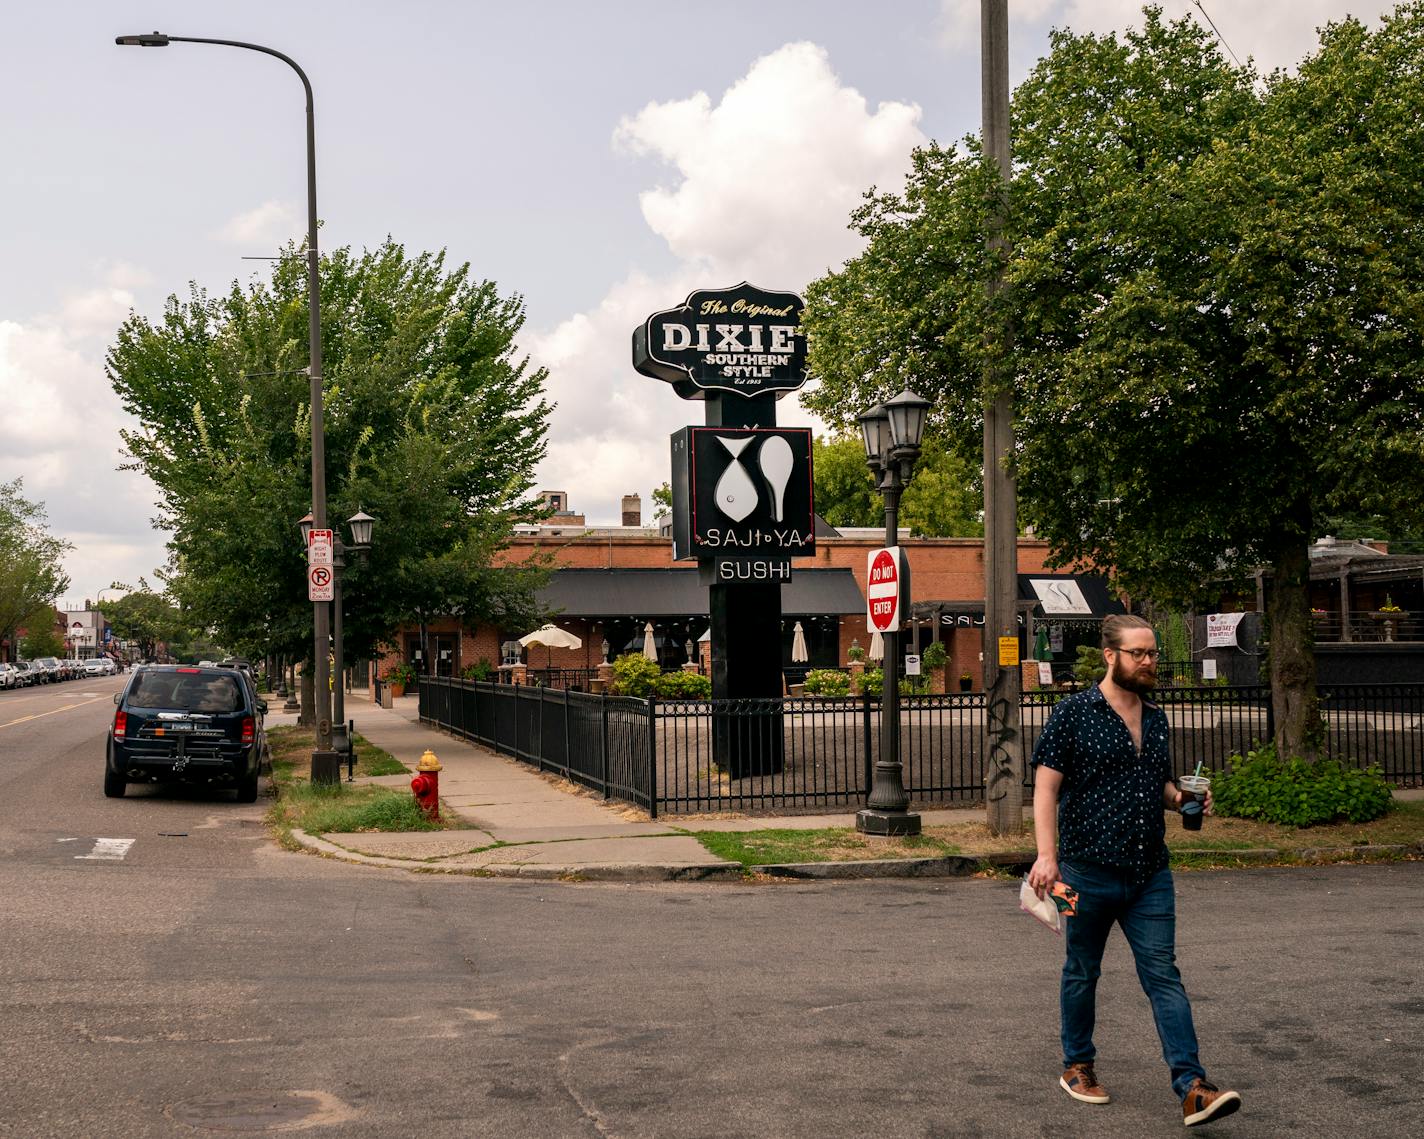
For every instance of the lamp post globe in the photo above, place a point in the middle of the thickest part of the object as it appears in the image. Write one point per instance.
(907, 413)
(875, 433)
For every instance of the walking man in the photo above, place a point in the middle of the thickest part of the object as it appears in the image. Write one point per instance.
(1104, 753)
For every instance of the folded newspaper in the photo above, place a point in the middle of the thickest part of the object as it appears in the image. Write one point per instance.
(1060, 902)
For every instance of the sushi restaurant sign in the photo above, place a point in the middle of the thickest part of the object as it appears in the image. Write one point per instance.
(744, 340)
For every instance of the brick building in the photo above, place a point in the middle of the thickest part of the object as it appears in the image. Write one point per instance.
(611, 582)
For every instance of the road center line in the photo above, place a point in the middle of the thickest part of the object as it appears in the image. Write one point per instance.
(51, 712)
(108, 850)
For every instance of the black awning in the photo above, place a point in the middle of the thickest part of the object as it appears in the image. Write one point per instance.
(680, 593)
(1068, 595)
(1056, 596)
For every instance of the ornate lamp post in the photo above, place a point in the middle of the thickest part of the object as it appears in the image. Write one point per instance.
(892, 434)
(361, 525)
(325, 763)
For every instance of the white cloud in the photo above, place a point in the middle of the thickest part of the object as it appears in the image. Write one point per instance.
(765, 181)
(1275, 33)
(60, 433)
(768, 176)
(269, 225)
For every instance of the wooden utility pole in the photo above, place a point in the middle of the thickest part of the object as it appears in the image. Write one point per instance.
(1003, 745)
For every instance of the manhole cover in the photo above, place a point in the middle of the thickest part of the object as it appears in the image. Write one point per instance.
(261, 1111)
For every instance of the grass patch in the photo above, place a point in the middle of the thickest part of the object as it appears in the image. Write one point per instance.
(293, 745)
(834, 844)
(342, 807)
(1211, 846)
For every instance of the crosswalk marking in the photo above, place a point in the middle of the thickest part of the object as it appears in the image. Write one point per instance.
(108, 850)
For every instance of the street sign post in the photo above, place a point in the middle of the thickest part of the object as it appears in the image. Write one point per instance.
(320, 547)
(321, 583)
(887, 584)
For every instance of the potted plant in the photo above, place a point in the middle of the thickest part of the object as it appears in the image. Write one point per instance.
(1388, 615)
(400, 677)
(934, 658)
(855, 654)
(966, 681)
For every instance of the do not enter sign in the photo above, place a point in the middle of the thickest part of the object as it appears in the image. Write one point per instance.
(887, 584)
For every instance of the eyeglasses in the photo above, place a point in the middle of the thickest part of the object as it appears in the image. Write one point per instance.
(1141, 655)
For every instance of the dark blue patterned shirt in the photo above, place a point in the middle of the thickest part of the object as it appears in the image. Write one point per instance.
(1110, 807)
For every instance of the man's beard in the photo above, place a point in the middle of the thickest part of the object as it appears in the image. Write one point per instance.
(1132, 681)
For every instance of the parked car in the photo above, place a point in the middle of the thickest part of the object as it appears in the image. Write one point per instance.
(99, 666)
(33, 672)
(52, 669)
(181, 724)
(9, 676)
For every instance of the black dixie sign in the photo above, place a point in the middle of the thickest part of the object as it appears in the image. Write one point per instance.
(744, 340)
(742, 492)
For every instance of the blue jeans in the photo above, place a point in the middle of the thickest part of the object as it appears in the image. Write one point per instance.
(1147, 913)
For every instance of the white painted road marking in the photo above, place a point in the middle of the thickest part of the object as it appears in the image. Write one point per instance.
(108, 849)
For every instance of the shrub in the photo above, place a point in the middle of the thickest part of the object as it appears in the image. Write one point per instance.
(482, 669)
(827, 682)
(935, 655)
(682, 686)
(873, 682)
(1295, 793)
(635, 675)
(402, 674)
(1090, 667)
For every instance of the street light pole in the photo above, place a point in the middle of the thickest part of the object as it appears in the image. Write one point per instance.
(325, 763)
(892, 434)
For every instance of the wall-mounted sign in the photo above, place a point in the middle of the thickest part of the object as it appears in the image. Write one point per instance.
(742, 340)
(721, 571)
(1061, 597)
(742, 492)
(1221, 630)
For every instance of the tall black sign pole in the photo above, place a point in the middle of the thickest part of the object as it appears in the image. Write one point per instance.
(738, 506)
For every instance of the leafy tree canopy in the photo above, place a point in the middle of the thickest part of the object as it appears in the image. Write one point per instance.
(1214, 295)
(31, 562)
(147, 618)
(944, 498)
(433, 424)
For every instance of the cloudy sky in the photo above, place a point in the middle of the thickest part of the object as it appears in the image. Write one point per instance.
(600, 157)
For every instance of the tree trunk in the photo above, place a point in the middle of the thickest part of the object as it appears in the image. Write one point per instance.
(1293, 699)
(307, 717)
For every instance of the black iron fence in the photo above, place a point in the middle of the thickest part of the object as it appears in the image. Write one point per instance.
(806, 754)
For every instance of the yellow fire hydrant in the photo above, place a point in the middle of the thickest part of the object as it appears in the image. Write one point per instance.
(426, 785)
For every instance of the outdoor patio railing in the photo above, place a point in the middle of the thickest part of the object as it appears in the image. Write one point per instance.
(818, 754)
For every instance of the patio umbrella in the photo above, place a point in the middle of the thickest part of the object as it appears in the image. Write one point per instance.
(650, 644)
(877, 647)
(798, 645)
(551, 636)
(1041, 650)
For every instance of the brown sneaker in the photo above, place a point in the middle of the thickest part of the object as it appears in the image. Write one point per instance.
(1080, 1083)
(1203, 1103)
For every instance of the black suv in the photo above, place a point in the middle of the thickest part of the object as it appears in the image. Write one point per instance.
(179, 724)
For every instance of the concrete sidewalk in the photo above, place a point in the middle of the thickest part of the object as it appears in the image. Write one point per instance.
(517, 821)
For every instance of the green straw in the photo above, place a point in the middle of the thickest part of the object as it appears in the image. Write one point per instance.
(1197, 772)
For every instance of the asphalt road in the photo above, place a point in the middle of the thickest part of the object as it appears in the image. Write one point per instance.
(204, 982)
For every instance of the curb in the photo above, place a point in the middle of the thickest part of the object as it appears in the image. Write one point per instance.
(638, 872)
(949, 866)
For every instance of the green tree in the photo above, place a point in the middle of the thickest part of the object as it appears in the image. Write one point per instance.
(147, 618)
(662, 501)
(31, 562)
(41, 638)
(433, 425)
(1214, 296)
(944, 498)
